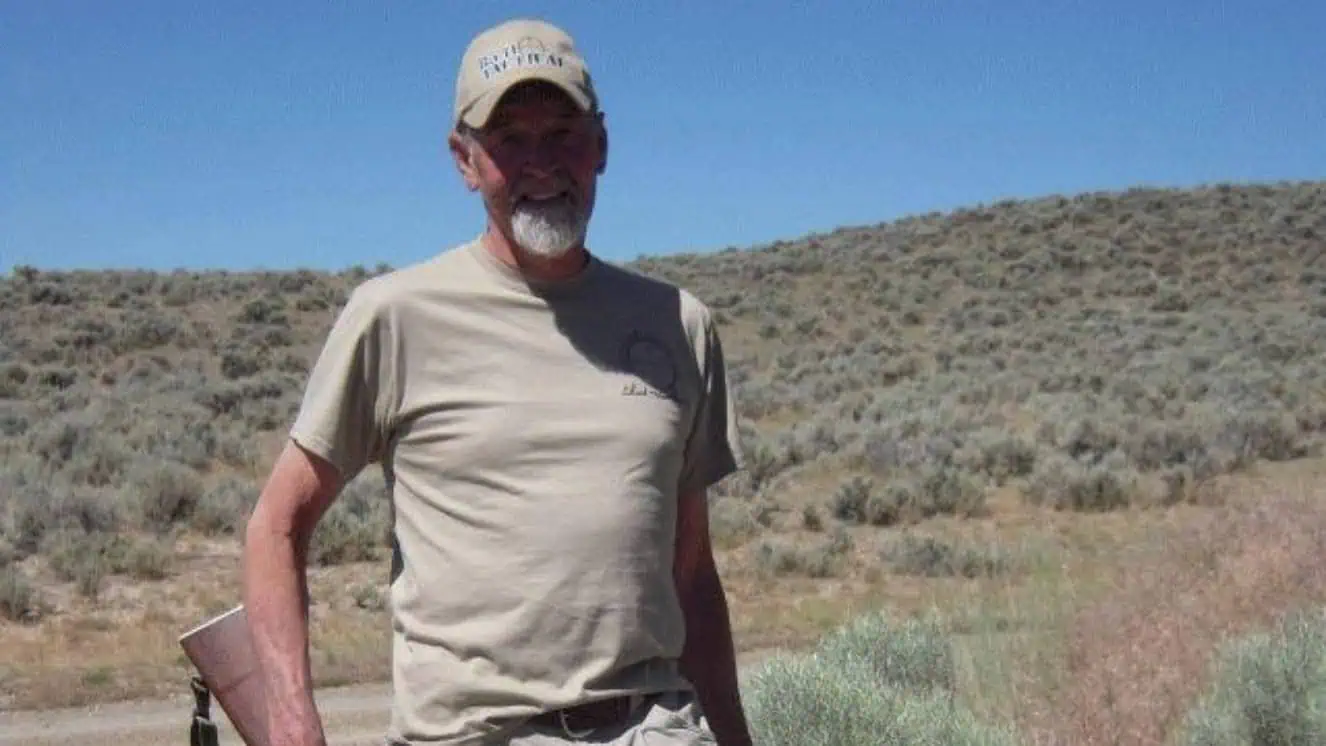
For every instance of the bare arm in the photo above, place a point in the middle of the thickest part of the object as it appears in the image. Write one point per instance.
(300, 489)
(709, 657)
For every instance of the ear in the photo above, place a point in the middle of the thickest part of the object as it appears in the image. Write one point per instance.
(603, 145)
(460, 154)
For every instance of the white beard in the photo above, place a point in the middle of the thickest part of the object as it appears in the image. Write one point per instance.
(548, 230)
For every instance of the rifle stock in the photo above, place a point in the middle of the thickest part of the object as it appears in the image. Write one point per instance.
(222, 652)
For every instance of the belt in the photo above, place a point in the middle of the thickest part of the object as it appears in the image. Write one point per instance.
(583, 719)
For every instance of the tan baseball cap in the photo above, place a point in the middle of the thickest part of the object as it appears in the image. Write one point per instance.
(513, 52)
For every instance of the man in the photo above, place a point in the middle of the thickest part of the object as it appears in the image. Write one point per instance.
(548, 425)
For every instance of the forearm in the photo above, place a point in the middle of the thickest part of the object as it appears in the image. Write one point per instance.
(709, 660)
(276, 604)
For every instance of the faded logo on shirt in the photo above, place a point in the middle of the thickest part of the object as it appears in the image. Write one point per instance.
(650, 362)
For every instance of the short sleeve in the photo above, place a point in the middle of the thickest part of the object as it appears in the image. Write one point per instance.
(346, 404)
(713, 448)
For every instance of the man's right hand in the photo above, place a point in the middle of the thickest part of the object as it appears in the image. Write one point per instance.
(299, 491)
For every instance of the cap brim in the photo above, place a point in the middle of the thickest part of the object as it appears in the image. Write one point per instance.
(478, 113)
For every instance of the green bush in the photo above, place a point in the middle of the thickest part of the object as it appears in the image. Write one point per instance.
(1269, 690)
(869, 682)
(223, 508)
(1064, 483)
(824, 558)
(18, 598)
(163, 494)
(932, 557)
(357, 525)
(88, 558)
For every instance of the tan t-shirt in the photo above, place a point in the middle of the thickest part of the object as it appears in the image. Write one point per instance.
(536, 439)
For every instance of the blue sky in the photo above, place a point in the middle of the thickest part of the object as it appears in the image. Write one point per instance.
(245, 135)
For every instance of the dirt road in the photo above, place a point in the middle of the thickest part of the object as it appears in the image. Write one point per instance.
(353, 716)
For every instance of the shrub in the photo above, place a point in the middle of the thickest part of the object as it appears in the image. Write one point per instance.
(823, 559)
(948, 490)
(868, 683)
(1064, 483)
(164, 493)
(1270, 688)
(913, 655)
(35, 509)
(851, 501)
(356, 526)
(928, 492)
(932, 557)
(998, 454)
(18, 599)
(88, 558)
(221, 510)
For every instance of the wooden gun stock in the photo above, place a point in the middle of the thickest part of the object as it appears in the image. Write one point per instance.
(222, 652)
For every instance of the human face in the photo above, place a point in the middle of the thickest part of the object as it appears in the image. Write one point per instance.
(536, 165)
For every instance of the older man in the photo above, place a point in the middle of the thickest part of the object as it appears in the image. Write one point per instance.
(548, 425)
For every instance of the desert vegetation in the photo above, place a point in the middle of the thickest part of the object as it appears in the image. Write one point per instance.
(1012, 441)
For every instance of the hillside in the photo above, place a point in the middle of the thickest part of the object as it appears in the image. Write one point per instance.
(919, 399)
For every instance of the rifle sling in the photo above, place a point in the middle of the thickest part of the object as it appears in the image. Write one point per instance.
(202, 732)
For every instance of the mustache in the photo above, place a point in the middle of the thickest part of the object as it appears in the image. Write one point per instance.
(561, 189)
(562, 203)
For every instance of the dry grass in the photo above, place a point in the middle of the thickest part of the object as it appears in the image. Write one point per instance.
(1107, 634)
(1140, 655)
(124, 645)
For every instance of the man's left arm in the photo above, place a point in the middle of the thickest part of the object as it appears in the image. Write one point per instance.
(713, 451)
(709, 656)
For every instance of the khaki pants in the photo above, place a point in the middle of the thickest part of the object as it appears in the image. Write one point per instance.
(672, 719)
